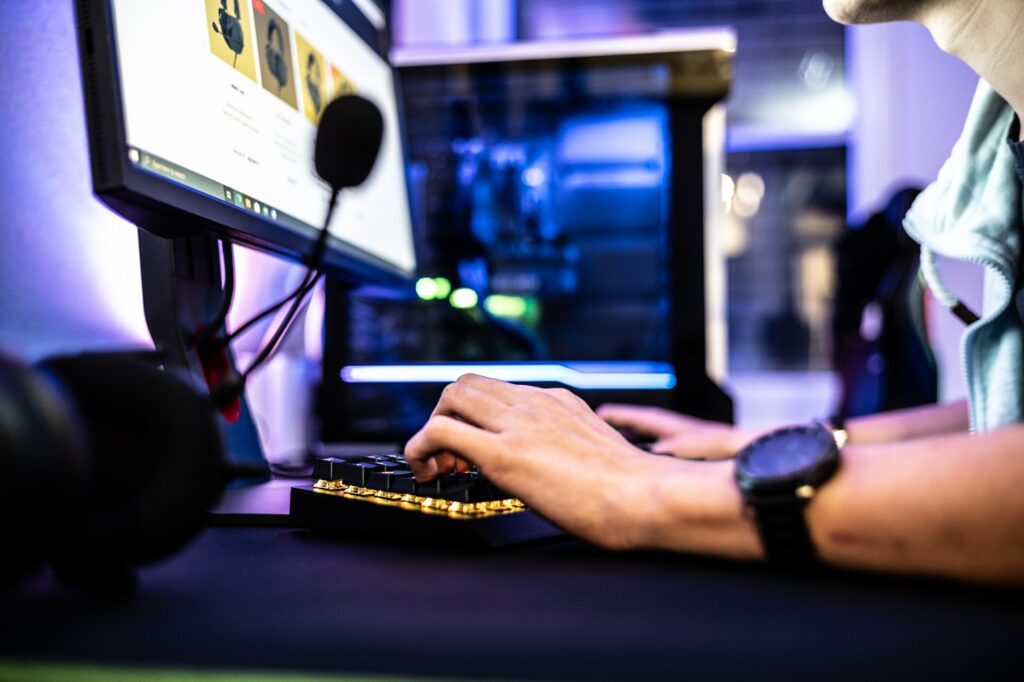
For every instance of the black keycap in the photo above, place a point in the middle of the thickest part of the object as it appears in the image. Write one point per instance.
(357, 473)
(429, 489)
(404, 484)
(328, 469)
(385, 479)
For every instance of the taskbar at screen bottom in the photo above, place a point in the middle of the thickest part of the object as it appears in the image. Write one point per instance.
(196, 182)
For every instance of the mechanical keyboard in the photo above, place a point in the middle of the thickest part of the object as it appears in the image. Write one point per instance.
(377, 496)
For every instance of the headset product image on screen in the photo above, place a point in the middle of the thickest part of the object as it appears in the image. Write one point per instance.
(230, 27)
(276, 62)
(314, 81)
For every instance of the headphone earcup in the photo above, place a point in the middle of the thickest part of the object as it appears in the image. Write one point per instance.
(44, 469)
(157, 455)
(236, 40)
(276, 65)
(314, 93)
(281, 69)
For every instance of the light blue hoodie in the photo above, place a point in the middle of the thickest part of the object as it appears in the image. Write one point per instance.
(972, 212)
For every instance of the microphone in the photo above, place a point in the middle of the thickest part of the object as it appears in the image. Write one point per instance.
(348, 141)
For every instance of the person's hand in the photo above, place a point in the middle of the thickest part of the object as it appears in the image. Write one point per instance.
(677, 434)
(549, 449)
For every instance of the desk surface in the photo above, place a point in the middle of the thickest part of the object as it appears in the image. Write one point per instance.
(279, 598)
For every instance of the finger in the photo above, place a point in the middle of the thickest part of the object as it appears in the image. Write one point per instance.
(578, 407)
(444, 463)
(696, 446)
(649, 420)
(444, 437)
(510, 394)
(464, 401)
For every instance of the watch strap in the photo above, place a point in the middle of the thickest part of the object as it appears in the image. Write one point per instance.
(783, 530)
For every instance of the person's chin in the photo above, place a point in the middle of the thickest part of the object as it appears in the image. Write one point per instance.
(842, 11)
(868, 11)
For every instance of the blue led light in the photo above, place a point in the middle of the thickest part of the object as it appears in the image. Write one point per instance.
(581, 375)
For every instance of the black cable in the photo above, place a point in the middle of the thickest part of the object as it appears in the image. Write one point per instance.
(309, 280)
(264, 313)
(271, 345)
(313, 264)
(228, 256)
(209, 341)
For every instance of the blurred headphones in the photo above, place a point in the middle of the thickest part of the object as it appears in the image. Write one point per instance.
(106, 463)
(313, 84)
(230, 27)
(275, 54)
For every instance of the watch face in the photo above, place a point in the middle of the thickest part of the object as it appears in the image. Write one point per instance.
(786, 454)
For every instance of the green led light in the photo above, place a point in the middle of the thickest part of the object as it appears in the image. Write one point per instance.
(444, 287)
(426, 289)
(506, 306)
(463, 299)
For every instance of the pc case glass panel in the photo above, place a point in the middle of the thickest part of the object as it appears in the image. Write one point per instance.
(541, 194)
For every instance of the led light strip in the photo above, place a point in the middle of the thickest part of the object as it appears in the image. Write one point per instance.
(417, 503)
(582, 375)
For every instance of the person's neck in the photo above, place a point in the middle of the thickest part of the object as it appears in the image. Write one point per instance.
(989, 36)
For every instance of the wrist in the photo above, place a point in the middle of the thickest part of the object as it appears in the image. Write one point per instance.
(697, 507)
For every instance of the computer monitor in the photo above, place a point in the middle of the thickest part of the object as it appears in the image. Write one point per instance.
(203, 114)
(202, 119)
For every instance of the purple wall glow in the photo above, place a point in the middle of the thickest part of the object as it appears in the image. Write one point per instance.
(69, 270)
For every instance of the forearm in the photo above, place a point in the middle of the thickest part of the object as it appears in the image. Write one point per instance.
(948, 506)
(917, 422)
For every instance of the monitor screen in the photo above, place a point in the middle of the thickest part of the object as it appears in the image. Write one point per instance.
(217, 103)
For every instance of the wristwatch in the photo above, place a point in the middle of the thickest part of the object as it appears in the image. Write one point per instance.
(778, 474)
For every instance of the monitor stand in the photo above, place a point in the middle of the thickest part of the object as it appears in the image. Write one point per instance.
(182, 292)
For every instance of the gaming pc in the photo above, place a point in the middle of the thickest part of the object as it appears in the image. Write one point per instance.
(567, 218)
(201, 123)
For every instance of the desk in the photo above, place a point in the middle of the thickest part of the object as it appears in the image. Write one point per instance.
(280, 598)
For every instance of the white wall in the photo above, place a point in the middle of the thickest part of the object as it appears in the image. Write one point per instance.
(453, 22)
(912, 100)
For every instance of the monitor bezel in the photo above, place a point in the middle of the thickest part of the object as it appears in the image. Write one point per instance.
(169, 210)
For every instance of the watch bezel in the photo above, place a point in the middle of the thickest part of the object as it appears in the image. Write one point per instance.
(813, 474)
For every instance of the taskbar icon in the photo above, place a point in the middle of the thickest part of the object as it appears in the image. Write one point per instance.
(248, 203)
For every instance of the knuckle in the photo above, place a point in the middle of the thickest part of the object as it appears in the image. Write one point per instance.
(567, 397)
(452, 391)
(430, 431)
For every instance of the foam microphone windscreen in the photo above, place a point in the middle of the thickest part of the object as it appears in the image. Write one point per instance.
(348, 141)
